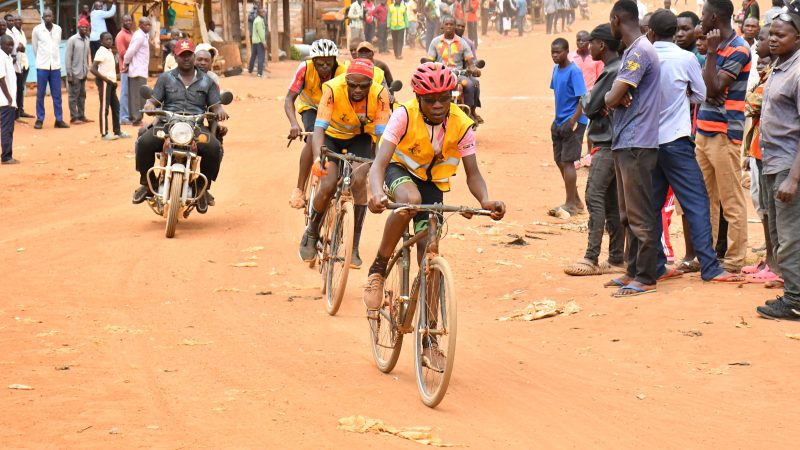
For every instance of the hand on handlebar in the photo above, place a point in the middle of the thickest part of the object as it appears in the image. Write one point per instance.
(294, 132)
(222, 115)
(148, 107)
(498, 208)
(378, 201)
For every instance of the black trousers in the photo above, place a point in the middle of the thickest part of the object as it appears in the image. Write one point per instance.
(93, 47)
(484, 21)
(634, 168)
(398, 39)
(108, 103)
(603, 206)
(21, 78)
(147, 145)
(472, 32)
(8, 115)
(383, 36)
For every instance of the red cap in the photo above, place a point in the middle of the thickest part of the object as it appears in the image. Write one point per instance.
(83, 22)
(183, 46)
(361, 67)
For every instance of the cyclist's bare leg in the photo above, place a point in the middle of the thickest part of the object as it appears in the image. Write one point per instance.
(327, 187)
(306, 160)
(359, 187)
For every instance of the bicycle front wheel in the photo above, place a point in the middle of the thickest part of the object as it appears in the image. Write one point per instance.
(340, 246)
(386, 339)
(435, 332)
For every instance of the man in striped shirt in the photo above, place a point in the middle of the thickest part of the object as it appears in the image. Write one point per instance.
(720, 126)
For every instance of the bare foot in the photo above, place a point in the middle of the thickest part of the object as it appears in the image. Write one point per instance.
(635, 288)
(618, 282)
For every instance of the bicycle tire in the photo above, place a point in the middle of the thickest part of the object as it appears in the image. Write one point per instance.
(339, 243)
(439, 293)
(323, 248)
(385, 339)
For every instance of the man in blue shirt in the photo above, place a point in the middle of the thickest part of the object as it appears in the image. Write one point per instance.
(569, 124)
(677, 165)
(635, 98)
(100, 12)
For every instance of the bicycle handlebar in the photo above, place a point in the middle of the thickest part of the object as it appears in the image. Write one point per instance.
(439, 208)
(346, 157)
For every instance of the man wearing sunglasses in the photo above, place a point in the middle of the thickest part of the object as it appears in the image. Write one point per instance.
(421, 148)
(352, 112)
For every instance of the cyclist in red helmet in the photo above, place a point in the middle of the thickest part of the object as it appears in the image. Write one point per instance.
(422, 145)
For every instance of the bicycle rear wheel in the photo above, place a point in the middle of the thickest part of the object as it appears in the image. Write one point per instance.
(340, 252)
(435, 332)
(386, 339)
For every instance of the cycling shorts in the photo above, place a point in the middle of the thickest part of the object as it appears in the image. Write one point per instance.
(360, 145)
(396, 175)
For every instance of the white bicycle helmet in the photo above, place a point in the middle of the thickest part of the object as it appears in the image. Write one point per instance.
(322, 48)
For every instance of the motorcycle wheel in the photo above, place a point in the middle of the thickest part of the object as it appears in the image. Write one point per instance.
(174, 205)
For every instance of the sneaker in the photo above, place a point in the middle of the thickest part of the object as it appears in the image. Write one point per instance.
(355, 260)
(373, 291)
(86, 119)
(25, 115)
(60, 124)
(38, 125)
(140, 194)
(202, 204)
(110, 137)
(433, 358)
(774, 300)
(478, 118)
(10, 161)
(123, 135)
(779, 310)
(308, 247)
(76, 121)
(126, 122)
(298, 199)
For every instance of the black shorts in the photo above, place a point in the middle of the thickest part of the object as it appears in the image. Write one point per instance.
(428, 191)
(360, 145)
(308, 117)
(567, 148)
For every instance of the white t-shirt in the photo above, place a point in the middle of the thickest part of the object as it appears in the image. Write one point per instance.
(106, 63)
(7, 74)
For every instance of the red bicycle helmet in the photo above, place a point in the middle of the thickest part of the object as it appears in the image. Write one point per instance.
(432, 78)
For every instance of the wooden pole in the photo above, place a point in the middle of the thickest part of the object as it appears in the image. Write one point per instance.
(273, 30)
(246, 26)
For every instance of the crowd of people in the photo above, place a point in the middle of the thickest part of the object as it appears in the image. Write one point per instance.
(687, 113)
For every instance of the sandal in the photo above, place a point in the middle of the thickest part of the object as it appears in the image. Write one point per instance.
(689, 266)
(298, 199)
(559, 212)
(730, 278)
(669, 274)
(761, 277)
(755, 268)
(607, 268)
(774, 284)
(631, 291)
(583, 268)
(614, 283)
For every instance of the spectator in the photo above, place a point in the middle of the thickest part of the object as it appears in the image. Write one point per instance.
(369, 21)
(432, 17)
(122, 42)
(398, 23)
(100, 12)
(780, 140)
(509, 15)
(551, 15)
(750, 29)
(212, 33)
(259, 39)
(411, 33)
(76, 64)
(8, 88)
(136, 63)
(45, 39)
(749, 9)
(562, 14)
(772, 13)
(104, 70)
(635, 98)
(356, 17)
(590, 68)
(720, 126)
(472, 20)
(522, 11)
(381, 13)
(20, 66)
(486, 6)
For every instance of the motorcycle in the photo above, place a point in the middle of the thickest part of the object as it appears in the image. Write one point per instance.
(458, 93)
(179, 182)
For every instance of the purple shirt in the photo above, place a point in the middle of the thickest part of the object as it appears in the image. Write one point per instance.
(138, 55)
(637, 125)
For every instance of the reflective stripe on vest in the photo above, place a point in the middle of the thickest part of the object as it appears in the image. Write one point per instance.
(345, 123)
(312, 87)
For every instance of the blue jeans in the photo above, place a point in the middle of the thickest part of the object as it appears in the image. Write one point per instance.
(43, 78)
(124, 115)
(677, 167)
(784, 218)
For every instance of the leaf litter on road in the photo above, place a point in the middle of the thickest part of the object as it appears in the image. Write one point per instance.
(543, 309)
(420, 435)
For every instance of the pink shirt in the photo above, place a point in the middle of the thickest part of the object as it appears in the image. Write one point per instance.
(138, 55)
(398, 123)
(590, 68)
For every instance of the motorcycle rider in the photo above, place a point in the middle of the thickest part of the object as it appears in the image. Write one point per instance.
(183, 89)
(454, 52)
(307, 87)
(353, 111)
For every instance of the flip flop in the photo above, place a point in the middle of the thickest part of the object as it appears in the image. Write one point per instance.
(583, 269)
(754, 269)
(669, 274)
(559, 212)
(730, 278)
(614, 283)
(636, 291)
(689, 266)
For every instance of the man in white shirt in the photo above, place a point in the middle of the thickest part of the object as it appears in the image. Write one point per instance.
(677, 167)
(20, 64)
(8, 106)
(46, 38)
(98, 16)
(213, 36)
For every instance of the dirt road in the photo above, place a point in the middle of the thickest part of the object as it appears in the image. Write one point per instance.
(131, 340)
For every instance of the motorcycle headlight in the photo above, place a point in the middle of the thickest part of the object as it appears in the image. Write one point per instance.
(181, 133)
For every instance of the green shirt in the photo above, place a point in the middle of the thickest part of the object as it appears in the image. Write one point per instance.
(398, 17)
(259, 31)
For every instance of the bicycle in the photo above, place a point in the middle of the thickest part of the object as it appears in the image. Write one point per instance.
(434, 323)
(312, 181)
(335, 245)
